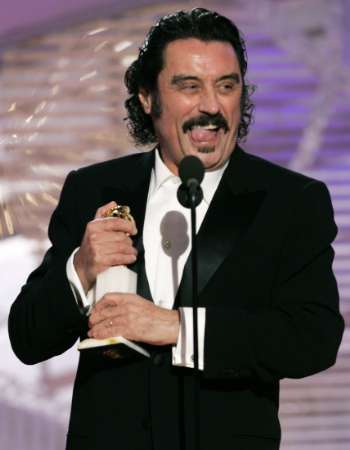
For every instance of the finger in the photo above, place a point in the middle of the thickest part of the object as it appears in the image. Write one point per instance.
(98, 316)
(101, 212)
(108, 301)
(112, 326)
(114, 224)
(104, 262)
(110, 239)
(98, 233)
(110, 253)
(97, 251)
(116, 248)
(114, 237)
(105, 316)
(119, 300)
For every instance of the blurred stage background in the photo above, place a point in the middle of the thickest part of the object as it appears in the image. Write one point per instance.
(61, 107)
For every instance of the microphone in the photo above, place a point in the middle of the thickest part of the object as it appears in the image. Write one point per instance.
(191, 172)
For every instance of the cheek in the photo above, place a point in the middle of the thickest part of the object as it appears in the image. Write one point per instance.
(178, 107)
(235, 105)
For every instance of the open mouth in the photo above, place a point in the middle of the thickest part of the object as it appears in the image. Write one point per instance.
(204, 135)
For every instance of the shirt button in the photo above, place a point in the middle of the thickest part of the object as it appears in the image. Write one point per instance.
(166, 244)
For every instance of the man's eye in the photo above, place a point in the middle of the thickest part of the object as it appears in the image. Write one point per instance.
(190, 87)
(226, 87)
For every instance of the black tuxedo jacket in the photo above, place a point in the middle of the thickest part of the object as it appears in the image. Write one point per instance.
(271, 302)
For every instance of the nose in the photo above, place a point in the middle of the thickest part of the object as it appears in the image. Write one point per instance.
(209, 102)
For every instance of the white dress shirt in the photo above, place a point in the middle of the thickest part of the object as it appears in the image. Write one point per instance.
(167, 244)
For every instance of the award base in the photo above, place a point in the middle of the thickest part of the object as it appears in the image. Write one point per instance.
(115, 347)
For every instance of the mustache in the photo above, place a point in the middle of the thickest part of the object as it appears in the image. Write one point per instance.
(218, 120)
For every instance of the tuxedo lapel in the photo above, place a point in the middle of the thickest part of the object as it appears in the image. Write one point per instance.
(231, 211)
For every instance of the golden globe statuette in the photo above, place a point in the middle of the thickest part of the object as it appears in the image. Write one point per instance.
(114, 279)
(117, 278)
(121, 211)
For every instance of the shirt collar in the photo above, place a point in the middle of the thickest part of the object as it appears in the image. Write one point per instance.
(209, 184)
(162, 173)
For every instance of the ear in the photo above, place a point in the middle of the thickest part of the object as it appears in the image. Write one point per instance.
(146, 100)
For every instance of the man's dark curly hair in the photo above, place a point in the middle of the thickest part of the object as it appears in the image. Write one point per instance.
(143, 73)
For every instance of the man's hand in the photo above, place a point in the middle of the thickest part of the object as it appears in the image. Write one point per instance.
(134, 318)
(106, 243)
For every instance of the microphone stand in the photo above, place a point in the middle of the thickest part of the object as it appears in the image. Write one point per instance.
(195, 322)
(195, 195)
(190, 195)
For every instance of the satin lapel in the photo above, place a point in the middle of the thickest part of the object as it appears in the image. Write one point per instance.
(231, 211)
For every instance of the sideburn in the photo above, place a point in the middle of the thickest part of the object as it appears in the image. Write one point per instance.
(156, 107)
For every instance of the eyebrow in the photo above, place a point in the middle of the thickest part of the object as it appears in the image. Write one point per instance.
(232, 76)
(177, 79)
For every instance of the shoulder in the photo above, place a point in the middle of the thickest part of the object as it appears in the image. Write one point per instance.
(291, 198)
(118, 167)
(284, 190)
(274, 176)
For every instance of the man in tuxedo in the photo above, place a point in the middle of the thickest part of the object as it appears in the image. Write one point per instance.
(268, 298)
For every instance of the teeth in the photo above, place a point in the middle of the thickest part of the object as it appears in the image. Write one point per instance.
(208, 127)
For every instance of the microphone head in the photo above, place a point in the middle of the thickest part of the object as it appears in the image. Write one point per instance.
(191, 167)
(184, 197)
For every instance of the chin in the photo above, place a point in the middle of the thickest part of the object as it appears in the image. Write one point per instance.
(204, 151)
(209, 160)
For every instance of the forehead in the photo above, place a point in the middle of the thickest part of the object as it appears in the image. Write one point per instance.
(200, 58)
